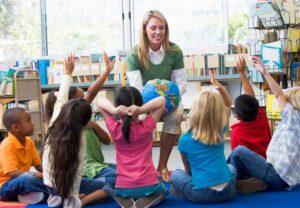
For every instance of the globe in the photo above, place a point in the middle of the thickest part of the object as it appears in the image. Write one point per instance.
(160, 87)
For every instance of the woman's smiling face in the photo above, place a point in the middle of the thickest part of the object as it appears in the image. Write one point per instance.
(155, 30)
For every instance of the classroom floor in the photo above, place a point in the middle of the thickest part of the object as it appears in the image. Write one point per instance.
(174, 160)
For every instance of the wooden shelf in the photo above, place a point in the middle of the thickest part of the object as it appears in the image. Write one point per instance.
(114, 84)
(83, 85)
(222, 77)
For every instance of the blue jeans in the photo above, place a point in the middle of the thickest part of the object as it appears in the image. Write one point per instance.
(22, 185)
(88, 186)
(108, 175)
(183, 187)
(250, 164)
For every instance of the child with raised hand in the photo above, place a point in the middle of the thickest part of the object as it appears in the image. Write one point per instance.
(253, 130)
(281, 168)
(64, 150)
(94, 165)
(137, 184)
(17, 155)
(206, 178)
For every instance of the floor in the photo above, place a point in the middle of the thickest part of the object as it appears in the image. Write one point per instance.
(174, 161)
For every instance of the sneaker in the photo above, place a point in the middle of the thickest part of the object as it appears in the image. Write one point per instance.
(250, 185)
(31, 198)
(149, 201)
(124, 202)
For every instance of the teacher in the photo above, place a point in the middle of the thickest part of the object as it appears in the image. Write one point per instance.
(155, 57)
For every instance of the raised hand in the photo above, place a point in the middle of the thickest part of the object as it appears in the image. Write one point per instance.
(212, 77)
(241, 65)
(259, 66)
(69, 64)
(109, 64)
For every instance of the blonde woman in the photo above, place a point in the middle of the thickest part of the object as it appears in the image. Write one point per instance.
(206, 178)
(155, 57)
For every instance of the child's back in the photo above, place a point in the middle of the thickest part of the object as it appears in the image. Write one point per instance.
(253, 130)
(135, 167)
(207, 162)
(255, 135)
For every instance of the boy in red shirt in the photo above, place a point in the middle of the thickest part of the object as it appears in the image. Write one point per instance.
(253, 130)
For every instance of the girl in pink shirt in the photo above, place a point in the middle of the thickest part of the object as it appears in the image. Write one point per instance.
(137, 183)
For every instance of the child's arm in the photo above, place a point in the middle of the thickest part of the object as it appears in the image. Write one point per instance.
(155, 106)
(185, 164)
(241, 67)
(103, 135)
(63, 92)
(39, 167)
(224, 94)
(275, 88)
(96, 86)
(97, 196)
(106, 107)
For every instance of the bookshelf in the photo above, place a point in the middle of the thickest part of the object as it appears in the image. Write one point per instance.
(27, 94)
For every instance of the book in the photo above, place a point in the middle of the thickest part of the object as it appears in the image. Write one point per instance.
(290, 10)
(266, 11)
(271, 55)
(292, 43)
(273, 108)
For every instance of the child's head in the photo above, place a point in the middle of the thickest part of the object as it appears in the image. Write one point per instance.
(246, 108)
(293, 96)
(208, 117)
(128, 96)
(74, 93)
(64, 138)
(18, 121)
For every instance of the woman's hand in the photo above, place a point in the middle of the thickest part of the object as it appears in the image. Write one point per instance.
(69, 64)
(259, 66)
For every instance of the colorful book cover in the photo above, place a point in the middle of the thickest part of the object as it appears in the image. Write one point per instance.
(273, 108)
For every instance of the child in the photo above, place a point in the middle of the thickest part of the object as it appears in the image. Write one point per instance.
(281, 168)
(207, 178)
(253, 130)
(136, 175)
(94, 165)
(64, 151)
(17, 155)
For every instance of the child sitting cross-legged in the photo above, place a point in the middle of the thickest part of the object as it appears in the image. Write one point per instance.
(280, 170)
(137, 184)
(17, 155)
(65, 149)
(253, 130)
(207, 177)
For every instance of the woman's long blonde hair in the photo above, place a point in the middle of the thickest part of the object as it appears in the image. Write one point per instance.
(143, 46)
(208, 118)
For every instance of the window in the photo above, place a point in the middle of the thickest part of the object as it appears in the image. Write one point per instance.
(196, 26)
(20, 30)
(84, 26)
